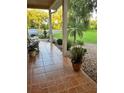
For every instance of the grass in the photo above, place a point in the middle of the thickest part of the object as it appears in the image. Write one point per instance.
(57, 35)
(90, 36)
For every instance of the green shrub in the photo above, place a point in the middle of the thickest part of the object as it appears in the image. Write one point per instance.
(45, 33)
(41, 36)
(93, 24)
(79, 42)
(59, 41)
(69, 44)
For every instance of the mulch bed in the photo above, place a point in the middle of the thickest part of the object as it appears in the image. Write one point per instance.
(90, 64)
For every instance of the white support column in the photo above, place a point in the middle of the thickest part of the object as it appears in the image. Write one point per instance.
(50, 26)
(65, 4)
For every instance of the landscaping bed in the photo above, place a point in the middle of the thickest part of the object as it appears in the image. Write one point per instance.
(90, 64)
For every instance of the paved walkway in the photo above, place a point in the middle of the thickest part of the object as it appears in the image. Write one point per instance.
(49, 72)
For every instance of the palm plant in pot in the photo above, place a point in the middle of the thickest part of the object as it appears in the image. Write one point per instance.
(77, 56)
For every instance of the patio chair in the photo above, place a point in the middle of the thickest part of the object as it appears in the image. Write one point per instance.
(33, 44)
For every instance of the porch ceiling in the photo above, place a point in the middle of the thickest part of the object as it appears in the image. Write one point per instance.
(43, 4)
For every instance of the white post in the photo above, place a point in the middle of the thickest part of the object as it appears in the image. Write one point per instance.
(65, 4)
(50, 26)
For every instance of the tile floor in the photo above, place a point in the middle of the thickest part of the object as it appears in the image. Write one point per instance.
(50, 72)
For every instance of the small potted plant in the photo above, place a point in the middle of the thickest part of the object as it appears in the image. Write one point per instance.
(32, 51)
(59, 41)
(77, 56)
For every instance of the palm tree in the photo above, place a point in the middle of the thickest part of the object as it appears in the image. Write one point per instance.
(75, 27)
(79, 14)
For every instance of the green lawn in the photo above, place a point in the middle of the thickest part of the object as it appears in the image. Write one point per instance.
(90, 36)
(57, 35)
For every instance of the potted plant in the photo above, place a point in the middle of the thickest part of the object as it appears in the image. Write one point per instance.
(59, 41)
(77, 56)
(32, 51)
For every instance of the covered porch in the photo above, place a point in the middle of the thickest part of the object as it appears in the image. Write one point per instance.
(52, 6)
(51, 71)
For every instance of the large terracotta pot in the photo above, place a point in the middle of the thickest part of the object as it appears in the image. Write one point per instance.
(76, 66)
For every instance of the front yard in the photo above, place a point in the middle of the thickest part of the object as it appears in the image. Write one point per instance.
(90, 36)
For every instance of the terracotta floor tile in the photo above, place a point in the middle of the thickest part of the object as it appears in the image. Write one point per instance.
(52, 89)
(68, 78)
(81, 80)
(44, 90)
(50, 72)
(38, 76)
(39, 70)
(57, 77)
(61, 87)
(38, 80)
(39, 64)
(92, 91)
(68, 85)
(35, 89)
(59, 81)
(35, 86)
(63, 91)
(28, 89)
(29, 81)
(48, 63)
(36, 66)
(49, 78)
(43, 85)
(72, 90)
(49, 68)
(80, 89)
(51, 83)
(74, 82)
(34, 82)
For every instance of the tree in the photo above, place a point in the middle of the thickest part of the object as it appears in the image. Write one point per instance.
(93, 24)
(57, 19)
(75, 29)
(79, 14)
(36, 18)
